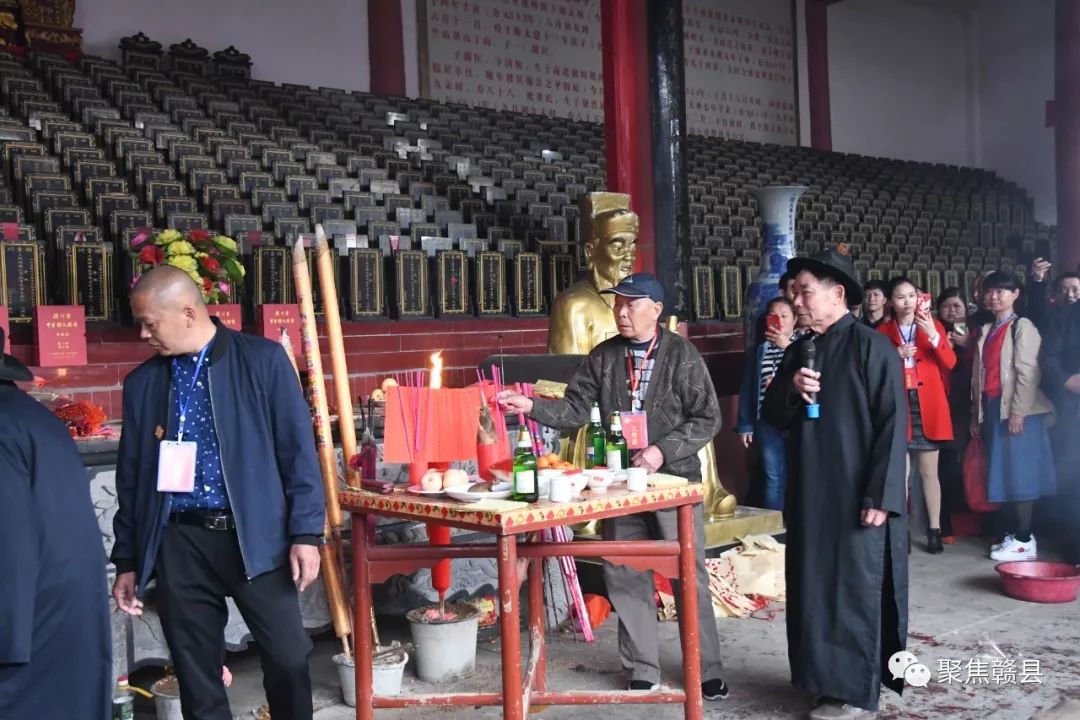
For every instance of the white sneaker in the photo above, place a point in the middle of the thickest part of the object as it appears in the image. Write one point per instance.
(997, 546)
(1012, 549)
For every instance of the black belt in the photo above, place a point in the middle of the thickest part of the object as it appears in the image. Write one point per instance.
(206, 519)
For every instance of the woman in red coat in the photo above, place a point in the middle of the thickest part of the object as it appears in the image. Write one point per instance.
(924, 347)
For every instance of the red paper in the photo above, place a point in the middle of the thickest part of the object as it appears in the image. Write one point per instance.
(6, 325)
(448, 421)
(230, 315)
(11, 232)
(60, 335)
(272, 318)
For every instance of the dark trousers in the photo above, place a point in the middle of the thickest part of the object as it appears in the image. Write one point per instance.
(631, 595)
(196, 570)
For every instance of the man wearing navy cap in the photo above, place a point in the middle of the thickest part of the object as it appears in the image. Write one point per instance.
(658, 375)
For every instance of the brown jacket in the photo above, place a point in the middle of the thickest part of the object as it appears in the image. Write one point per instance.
(1020, 375)
(680, 401)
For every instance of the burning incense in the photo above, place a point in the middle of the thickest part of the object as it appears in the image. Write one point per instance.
(324, 443)
(343, 396)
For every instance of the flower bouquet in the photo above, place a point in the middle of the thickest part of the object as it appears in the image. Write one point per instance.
(211, 260)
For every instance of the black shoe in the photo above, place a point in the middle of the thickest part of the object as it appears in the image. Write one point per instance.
(714, 689)
(933, 542)
(643, 685)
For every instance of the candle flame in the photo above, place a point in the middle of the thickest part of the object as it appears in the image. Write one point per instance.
(436, 370)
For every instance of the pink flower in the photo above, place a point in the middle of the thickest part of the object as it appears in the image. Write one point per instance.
(223, 287)
(135, 280)
(139, 239)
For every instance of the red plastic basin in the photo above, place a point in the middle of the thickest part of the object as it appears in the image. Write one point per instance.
(1041, 582)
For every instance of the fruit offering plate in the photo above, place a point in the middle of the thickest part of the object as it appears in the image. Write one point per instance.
(498, 491)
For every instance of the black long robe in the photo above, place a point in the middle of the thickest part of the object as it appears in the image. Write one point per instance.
(847, 585)
(55, 642)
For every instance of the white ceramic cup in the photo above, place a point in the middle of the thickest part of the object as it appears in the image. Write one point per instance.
(559, 489)
(637, 479)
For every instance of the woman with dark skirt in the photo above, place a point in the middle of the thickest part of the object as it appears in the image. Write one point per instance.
(1011, 412)
(927, 356)
(952, 312)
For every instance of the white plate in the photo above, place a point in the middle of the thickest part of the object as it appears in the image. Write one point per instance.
(415, 490)
(471, 497)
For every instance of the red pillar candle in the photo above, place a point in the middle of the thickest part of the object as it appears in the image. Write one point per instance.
(440, 535)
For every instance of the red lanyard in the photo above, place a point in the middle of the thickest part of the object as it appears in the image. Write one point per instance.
(634, 374)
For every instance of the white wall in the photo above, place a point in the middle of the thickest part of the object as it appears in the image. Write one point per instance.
(311, 42)
(1016, 78)
(897, 81)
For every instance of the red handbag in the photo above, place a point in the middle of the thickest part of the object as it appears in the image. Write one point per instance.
(975, 472)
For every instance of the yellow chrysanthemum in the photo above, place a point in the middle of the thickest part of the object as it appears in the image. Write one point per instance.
(225, 243)
(180, 247)
(185, 263)
(168, 236)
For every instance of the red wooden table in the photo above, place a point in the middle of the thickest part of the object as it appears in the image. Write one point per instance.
(377, 563)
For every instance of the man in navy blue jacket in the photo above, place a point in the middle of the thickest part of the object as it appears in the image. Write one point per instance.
(219, 496)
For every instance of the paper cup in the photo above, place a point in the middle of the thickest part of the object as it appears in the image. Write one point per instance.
(637, 479)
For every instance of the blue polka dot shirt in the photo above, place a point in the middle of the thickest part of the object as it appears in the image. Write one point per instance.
(210, 492)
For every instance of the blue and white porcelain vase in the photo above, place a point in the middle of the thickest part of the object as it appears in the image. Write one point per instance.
(776, 206)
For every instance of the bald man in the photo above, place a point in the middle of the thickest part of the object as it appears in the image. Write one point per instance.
(219, 496)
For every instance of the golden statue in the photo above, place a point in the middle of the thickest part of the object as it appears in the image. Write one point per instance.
(582, 318)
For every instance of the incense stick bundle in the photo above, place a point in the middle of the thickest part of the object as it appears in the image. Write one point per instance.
(324, 443)
(335, 595)
(324, 259)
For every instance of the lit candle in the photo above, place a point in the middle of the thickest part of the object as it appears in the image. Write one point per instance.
(436, 370)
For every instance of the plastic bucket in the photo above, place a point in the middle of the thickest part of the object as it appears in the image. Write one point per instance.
(166, 694)
(386, 678)
(444, 649)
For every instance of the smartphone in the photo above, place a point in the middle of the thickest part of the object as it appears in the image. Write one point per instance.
(772, 323)
(924, 303)
(960, 328)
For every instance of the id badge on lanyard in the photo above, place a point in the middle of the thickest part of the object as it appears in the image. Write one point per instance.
(177, 458)
(176, 466)
(911, 373)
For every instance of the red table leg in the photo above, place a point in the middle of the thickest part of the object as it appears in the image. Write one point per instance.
(510, 627)
(688, 613)
(362, 639)
(536, 619)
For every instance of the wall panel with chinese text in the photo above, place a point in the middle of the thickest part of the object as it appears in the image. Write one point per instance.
(532, 56)
(544, 57)
(740, 70)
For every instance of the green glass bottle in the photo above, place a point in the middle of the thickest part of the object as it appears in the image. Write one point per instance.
(595, 440)
(618, 455)
(526, 488)
(123, 704)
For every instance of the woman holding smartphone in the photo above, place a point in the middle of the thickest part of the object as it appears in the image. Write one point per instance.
(1011, 412)
(927, 356)
(762, 362)
(952, 312)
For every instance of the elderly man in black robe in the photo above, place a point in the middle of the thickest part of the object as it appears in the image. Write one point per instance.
(845, 510)
(55, 646)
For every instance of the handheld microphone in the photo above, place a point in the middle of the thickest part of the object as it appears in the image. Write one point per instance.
(808, 355)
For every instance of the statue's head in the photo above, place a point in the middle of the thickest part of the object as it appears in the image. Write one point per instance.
(610, 231)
